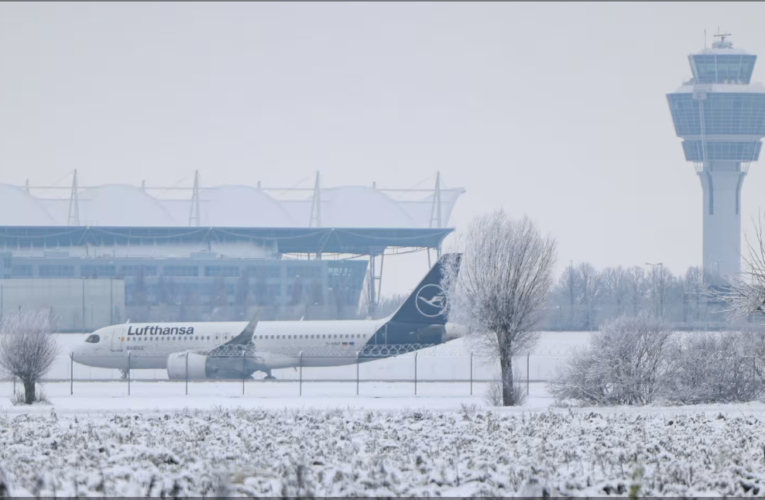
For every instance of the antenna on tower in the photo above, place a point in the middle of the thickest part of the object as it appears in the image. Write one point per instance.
(705, 39)
(722, 44)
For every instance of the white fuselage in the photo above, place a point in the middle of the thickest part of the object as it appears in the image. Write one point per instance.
(148, 345)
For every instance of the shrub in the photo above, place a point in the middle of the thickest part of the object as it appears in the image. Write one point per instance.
(720, 367)
(624, 364)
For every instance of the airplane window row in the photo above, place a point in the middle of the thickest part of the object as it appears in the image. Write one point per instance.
(194, 337)
(317, 336)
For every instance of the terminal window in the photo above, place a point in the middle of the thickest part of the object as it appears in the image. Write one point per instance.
(264, 271)
(304, 271)
(139, 270)
(96, 271)
(227, 271)
(180, 271)
(56, 271)
(21, 271)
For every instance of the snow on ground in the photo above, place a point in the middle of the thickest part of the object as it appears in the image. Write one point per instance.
(89, 397)
(410, 452)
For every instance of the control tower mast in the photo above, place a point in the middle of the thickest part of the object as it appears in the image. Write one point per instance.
(720, 115)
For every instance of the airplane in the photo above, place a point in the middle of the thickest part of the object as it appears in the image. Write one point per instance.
(234, 350)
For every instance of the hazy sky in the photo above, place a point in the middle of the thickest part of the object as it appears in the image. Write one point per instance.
(555, 110)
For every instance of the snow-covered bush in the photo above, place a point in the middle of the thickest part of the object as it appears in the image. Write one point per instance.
(625, 363)
(718, 367)
(639, 360)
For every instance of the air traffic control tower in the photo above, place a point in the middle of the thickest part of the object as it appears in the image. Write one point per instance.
(720, 116)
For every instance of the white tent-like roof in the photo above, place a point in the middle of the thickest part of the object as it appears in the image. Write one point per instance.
(119, 205)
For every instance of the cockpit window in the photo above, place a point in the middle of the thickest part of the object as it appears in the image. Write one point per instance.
(93, 339)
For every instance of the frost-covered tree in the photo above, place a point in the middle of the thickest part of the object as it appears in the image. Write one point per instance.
(501, 288)
(27, 348)
(589, 285)
(745, 294)
(660, 282)
(613, 282)
(637, 287)
(694, 299)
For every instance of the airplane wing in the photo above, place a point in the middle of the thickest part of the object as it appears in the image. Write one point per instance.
(245, 337)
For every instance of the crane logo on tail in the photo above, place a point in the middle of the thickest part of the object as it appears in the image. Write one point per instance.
(431, 301)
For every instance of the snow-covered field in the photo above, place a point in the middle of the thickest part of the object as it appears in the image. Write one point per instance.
(410, 452)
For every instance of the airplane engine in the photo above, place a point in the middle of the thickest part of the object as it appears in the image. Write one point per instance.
(181, 365)
(200, 366)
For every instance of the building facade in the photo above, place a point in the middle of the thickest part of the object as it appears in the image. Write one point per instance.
(720, 115)
(200, 253)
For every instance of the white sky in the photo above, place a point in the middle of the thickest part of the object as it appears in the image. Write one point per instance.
(556, 110)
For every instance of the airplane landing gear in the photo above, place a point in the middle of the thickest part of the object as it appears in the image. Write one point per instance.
(269, 376)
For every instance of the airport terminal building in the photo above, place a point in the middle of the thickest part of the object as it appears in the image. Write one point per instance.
(107, 254)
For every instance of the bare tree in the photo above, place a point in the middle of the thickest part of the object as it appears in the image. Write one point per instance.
(614, 286)
(589, 292)
(501, 288)
(27, 348)
(745, 294)
(693, 289)
(661, 280)
(636, 284)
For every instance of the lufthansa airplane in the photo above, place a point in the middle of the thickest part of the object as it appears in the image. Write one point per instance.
(216, 350)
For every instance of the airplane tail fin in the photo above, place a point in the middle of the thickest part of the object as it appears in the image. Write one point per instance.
(427, 303)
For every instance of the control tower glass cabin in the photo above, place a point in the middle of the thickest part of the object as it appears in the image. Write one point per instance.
(720, 115)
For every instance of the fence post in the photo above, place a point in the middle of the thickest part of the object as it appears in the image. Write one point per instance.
(528, 355)
(754, 369)
(71, 373)
(301, 373)
(187, 374)
(244, 352)
(471, 373)
(357, 373)
(128, 372)
(415, 373)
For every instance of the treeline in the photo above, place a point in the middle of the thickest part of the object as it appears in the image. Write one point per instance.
(583, 297)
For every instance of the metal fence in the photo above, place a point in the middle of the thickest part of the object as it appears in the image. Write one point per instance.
(381, 372)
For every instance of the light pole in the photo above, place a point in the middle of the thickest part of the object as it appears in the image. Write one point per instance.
(571, 293)
(659, 305)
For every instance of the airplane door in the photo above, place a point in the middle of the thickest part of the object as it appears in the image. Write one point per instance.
(117, 339)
